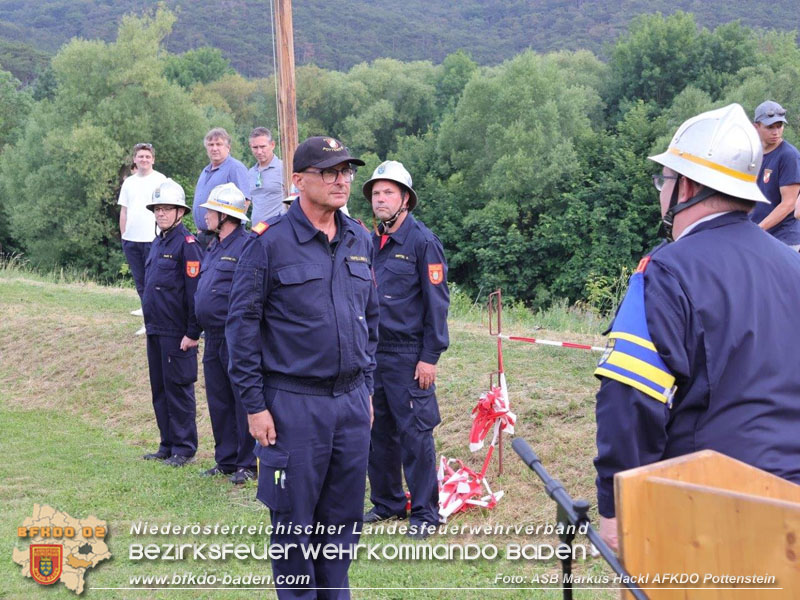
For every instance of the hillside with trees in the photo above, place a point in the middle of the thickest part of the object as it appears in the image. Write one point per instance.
(363, 30)
(533, 171)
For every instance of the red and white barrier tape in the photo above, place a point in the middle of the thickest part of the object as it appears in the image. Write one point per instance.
(516, 338)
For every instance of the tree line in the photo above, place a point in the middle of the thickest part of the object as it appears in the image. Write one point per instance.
(533, 172)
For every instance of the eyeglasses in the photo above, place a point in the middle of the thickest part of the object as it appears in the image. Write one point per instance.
(143, 146)
(330, 175)
(164, 209)
(773, 112)
(659, 180)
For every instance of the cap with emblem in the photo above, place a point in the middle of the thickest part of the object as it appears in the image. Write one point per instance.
(322, 152)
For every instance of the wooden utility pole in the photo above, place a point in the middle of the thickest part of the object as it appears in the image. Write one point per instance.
(287, 107)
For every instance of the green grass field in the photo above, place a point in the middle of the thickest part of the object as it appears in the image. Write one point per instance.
(76, 417)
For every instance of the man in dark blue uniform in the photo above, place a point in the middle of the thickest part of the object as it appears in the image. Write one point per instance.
(302, 331)
(233, 444)
(171, 273)
(412, 287)
(700, 351)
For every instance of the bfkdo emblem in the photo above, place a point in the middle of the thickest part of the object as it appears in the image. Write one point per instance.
(436, 273)
(46, 562)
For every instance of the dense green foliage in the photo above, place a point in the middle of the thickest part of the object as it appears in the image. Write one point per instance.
(533, 172)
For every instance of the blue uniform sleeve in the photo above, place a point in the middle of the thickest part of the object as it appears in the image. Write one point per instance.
(192, 257)
(644, 359)
(432, 271)
(789, 169)
(631, 432)
(243, 327)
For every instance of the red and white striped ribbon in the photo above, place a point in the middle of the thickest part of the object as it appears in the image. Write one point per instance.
(516, 338)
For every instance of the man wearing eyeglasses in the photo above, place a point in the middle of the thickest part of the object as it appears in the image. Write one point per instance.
(137, 225)
(266, 176)
(700, 353)
(222, 168)
(302, 332)
(779, 179)
(171, 276)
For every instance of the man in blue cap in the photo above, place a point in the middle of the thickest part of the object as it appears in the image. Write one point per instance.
(302, 331)
(779, 178)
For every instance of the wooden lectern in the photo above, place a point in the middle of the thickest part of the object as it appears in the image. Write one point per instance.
(706, 514)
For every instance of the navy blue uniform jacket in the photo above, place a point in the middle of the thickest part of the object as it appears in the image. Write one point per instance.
(171, 274)
(214, 289)
(720, 307)
(301, 312)
(412, 285)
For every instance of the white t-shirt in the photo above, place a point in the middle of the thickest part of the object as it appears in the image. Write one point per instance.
(136, 192)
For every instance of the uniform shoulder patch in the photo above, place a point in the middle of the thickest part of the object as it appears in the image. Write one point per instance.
(631, 357)
(190, 239)
(260, 228)
(192, 268)
(642, 264)
(436, 273)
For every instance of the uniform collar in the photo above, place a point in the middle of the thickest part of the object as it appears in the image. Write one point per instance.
(716, 220)
(404, 230)
(231, 237)
(303, 228)
(177, 230)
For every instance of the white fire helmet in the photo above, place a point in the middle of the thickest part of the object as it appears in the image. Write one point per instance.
(168, 193)
(391, 170)
(228, 200)
(719, 149)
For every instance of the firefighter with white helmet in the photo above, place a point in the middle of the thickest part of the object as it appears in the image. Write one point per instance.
(171, 274)
(233, 444)
(411, 273)
(697, 354)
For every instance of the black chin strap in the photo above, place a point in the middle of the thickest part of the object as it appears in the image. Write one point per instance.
(383, 226)
(668, 219)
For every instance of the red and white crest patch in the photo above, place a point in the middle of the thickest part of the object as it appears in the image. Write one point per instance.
(767, 173)
(193, 268)
(436, 273)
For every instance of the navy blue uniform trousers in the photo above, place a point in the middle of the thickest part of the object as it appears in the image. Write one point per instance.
(315, 475)
(402, 441)
(172, 376)
(233, 444)
(136, 254)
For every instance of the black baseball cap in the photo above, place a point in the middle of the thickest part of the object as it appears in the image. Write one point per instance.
(322, 152)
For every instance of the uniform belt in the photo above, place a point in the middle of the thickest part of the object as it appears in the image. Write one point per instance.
(400, 347)
(313, 387)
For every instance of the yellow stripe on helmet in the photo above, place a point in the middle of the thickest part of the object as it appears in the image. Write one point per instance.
(712, 165)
